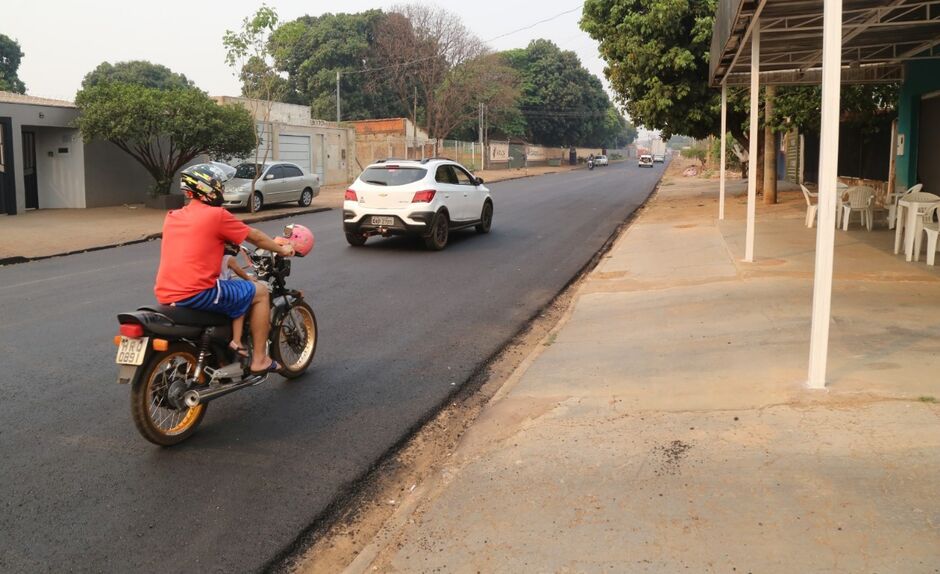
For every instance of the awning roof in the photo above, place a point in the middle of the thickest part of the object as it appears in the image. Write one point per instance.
(877, 37)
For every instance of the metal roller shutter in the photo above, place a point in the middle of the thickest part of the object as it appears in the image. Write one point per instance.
(295, 149)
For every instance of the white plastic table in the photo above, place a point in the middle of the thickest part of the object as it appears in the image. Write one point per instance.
(914, 205)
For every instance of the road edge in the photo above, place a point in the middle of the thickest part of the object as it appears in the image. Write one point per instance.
(18, 259)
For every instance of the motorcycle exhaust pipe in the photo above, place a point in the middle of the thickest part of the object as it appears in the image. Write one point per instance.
(195, 397)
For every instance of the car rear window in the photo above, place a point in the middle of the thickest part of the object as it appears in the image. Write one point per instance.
(392, 175)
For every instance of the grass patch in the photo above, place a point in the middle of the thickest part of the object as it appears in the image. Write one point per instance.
(551, 339)
(927, 399)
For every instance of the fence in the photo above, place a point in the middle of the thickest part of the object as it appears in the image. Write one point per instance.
(497, 154)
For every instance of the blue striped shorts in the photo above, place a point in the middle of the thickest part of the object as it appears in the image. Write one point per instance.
(230, 297)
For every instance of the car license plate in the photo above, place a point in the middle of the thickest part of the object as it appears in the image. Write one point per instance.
(131, 351)
(378, 220)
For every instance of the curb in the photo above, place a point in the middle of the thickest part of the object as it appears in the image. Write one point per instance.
(17, 259)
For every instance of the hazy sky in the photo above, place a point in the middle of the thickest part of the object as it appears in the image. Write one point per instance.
(65, 39)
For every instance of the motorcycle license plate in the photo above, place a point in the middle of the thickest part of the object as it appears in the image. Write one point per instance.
(378, 220)
(131, 351)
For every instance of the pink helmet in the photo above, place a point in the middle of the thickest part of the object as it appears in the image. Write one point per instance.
(300, 237)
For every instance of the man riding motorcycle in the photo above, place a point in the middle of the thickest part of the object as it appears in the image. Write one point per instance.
(193, 245)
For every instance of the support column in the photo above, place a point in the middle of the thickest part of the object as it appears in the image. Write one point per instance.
(724, 131)
(828, 166)
(752, 147)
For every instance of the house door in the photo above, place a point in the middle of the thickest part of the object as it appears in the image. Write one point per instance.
(29, 170)
(7, 189)
(928, 156)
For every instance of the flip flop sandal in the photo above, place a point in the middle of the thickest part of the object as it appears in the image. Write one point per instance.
(239, 350)
(272, 368)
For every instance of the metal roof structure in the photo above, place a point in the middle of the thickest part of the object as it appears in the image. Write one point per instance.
(878, 36)
(14, 98)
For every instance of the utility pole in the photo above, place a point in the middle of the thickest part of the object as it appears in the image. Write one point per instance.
(414, 125)
(339, 115)
(482, 149)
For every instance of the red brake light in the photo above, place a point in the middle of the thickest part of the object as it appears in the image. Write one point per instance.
(132, 330)
(423, 196)
(350, 196)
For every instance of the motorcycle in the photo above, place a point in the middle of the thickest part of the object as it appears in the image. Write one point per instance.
(590, 164)
(178, 360)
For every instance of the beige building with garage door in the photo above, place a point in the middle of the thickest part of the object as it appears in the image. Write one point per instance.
(291, 134)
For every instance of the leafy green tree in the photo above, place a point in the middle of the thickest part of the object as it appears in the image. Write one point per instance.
(311, 49)
(563, 103)
(163, 129)
(862, 105)
(657, 62)
(138, 72)
(10, 56)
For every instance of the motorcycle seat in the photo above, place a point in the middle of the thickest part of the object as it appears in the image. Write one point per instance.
(184, 316)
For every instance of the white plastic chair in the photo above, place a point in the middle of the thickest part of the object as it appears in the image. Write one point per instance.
(923, 217)
(892, 203)
(932, 230)
(810, 206)
(859, 200)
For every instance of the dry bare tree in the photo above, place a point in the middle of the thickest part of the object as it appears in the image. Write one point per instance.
(432, 55)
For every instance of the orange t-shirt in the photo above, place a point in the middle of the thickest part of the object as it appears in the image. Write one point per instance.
(191, 253)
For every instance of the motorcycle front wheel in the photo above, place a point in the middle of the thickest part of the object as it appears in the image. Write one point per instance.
(294, 339)
(157, 397)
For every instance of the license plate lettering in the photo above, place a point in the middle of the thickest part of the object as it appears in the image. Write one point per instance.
(379, 220)
(131, 351)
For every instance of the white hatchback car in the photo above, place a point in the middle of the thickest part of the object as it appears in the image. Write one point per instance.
(428, 198)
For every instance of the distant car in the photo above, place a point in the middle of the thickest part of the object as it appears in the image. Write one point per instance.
(645, 160)
(659, 158)
(601, 160)
(279, 182)
(426, 198)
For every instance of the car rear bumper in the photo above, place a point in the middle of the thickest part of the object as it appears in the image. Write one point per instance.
(414, 223)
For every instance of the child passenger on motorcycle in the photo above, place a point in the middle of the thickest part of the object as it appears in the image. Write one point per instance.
(231, 267)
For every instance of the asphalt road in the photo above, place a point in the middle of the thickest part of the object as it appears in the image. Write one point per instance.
(400, 329)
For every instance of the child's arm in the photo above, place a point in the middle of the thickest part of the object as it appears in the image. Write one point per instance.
(236, 268)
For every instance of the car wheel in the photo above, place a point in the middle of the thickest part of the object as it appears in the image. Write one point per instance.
(440, 231)
(486, 218)
(306, 197)
(257, 201)
(356, 239)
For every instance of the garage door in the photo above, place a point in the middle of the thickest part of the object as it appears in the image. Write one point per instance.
(295, 149)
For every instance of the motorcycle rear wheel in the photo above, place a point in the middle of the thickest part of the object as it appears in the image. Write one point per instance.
(155, 416)
(294, 340)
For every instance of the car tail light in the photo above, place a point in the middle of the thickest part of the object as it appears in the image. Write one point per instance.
(350, 196)
(132, 330)
(425, 196)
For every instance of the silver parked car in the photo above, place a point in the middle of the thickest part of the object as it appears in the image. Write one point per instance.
(279, 182)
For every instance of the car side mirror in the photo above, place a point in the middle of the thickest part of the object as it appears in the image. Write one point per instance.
(479, 181)
(269, 176)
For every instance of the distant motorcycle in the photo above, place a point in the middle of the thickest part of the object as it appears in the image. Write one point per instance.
(177, 360)
(590, 164)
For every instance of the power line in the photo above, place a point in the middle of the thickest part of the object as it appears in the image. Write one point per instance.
(530, 26)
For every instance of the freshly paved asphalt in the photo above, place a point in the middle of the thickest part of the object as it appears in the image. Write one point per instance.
(400, 329)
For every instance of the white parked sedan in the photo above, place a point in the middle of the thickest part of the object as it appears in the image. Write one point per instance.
(279, 182)
(428, 198)
(601, 160)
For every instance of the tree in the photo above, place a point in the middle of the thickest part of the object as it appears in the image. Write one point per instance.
(563, 103)
(248, 52)
(429, 52)
(162, 129)
(310, 50)
(657, 62)
(862, 105)
(138, 72)
(10, 56)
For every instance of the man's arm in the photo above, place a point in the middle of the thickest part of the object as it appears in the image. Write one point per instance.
(261, 239)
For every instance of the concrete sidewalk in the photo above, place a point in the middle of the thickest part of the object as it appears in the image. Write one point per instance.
(49, 232)
(665, 425)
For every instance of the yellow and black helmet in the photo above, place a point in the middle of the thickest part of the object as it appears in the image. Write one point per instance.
(204, 182)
